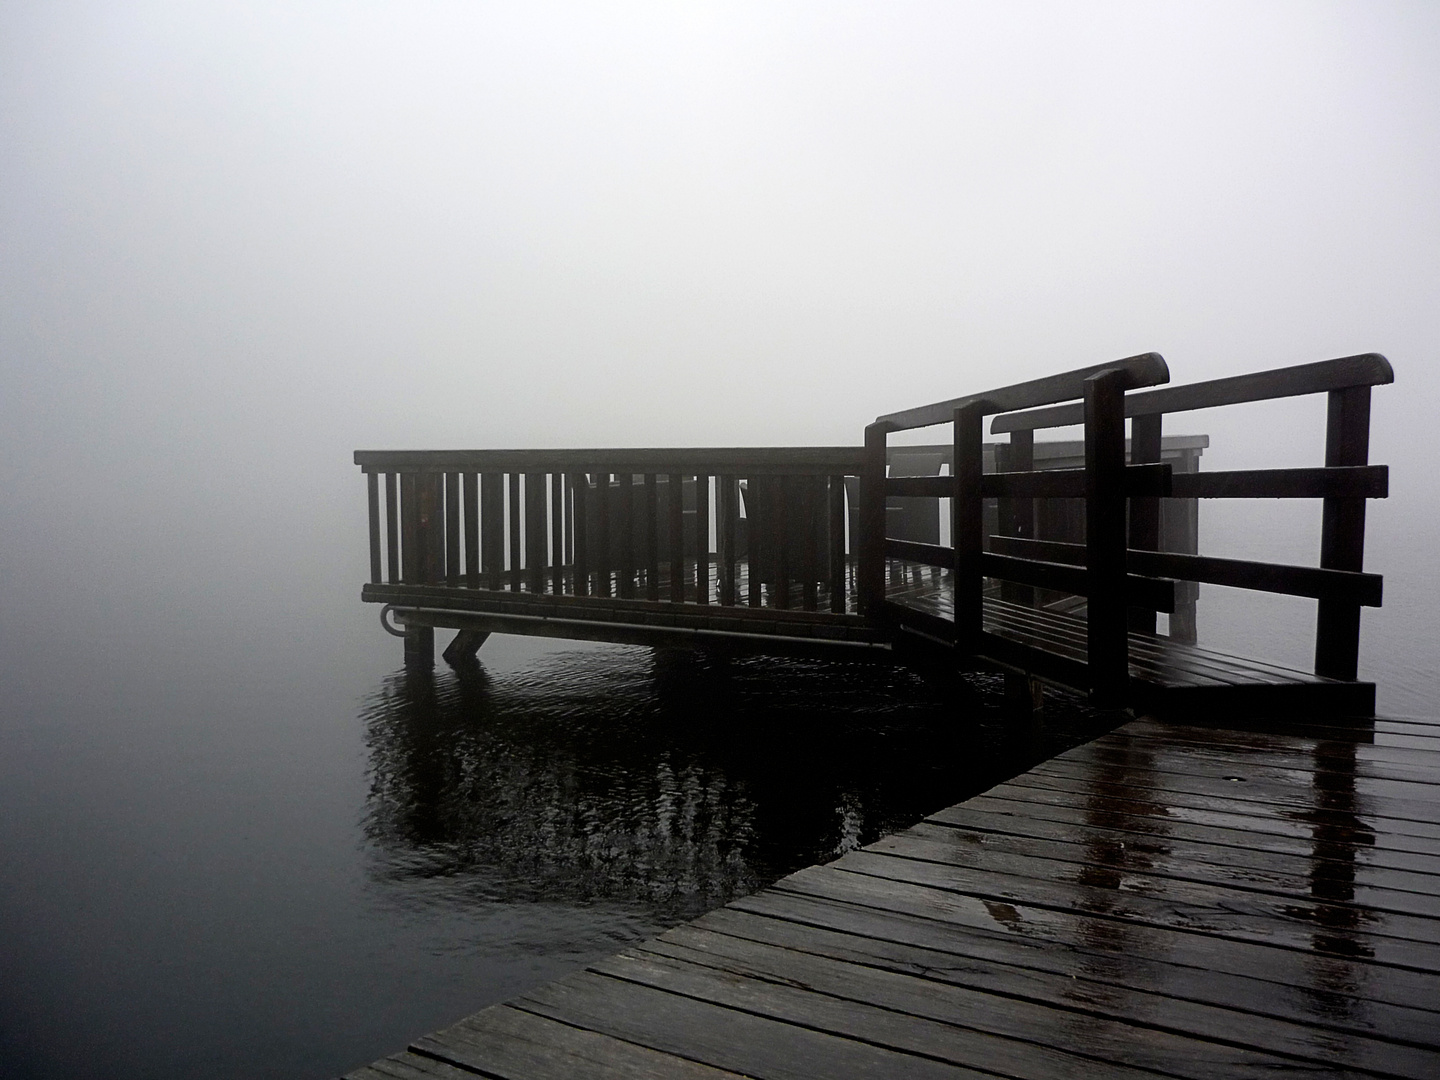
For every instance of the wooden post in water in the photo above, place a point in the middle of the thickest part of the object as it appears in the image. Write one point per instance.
(872, 521)
(967, 525)
(1342, 534)
(1106, 629)
(1145, 510)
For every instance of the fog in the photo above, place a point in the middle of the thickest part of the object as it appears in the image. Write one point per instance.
(238, 243)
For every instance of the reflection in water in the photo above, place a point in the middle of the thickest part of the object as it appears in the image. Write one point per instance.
(671, 781)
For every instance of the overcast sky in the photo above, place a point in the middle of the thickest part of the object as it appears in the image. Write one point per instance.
(236, 243)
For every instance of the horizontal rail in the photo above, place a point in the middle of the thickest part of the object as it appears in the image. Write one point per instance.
(1349, 481)
(1346, 585)
(1147, 369)
(743, 461)
(1366, 369)
(1150, 592)
(1140, 480)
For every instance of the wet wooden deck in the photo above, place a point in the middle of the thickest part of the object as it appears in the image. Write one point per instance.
(1167, 900)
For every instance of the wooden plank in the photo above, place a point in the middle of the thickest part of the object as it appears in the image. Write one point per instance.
(579, 514)
(1343, 482)
(409, 1066)
(452, 529)
(557, 533)
(602, 547)
(652, 538)
(625, 527)
(1147, 369)
(1043, 1026)
(721, 1037)
(809, 554)
(1141, 988)
(510, 1042)
(727, 497)
(871, 530)
(835, 572)
(1153, 865)
(536, 532)
(1342, 533)
(677, 538)
(411, 557)
(759, 460)
(472, 530)
(516, 515)
(967, 516)
(392, 529)
(1367, 369)
(777, 538)
(702, 539)
(372, 492)
(1366, 589)
(1106, 631)
(913, 1016)
(492, 528)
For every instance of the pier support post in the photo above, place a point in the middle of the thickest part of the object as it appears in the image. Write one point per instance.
(464, 647)
(420, 647)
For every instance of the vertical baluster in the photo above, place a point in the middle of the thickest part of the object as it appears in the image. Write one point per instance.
(1342, 533)
(967, 525)
(432, 535)
(781, 492)
(809, 559)
(535, 532)
(702, 539)
(872, 521)
(652, 538)
(492, 529)
(557, 532)
(677, 539)
(372, 492)
(1144, 512)
(579, 487)
(516, 515)
(392, 529)
(1106, 629)
(726, 494)
(603, 560)
(452, 528)
(410, 530)
(836, 576)
(754, 540)
(472, 531)
(625, 525)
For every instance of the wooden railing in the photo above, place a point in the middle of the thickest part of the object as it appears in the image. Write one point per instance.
(1344, 484)
(1105, 483)
(751, 527)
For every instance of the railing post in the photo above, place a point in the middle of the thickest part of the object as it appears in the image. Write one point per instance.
(492, 529)
(472, 530)
(1017, 516)
(1145, 511)
(372, 491)
(535, 532)
(1106, 630)
(392, 529)
(871, 569)
(1342, 534)
(452, 528)
(726, 496)
(967, 525)
(516, 513)
(836, 535)
(580, 519)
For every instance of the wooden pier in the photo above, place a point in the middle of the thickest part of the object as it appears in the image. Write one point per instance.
(838, 550)
(1168, 900)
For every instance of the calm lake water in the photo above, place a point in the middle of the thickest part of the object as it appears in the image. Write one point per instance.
(239, 847)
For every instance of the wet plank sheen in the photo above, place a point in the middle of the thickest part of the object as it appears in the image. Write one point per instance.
(1170, 900)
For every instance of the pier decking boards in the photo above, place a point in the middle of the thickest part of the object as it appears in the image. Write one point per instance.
(1171, 900)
